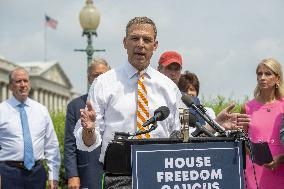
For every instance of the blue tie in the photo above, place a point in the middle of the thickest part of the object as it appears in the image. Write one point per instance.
(28, 145)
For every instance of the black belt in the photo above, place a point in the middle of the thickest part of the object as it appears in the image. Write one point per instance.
(19, 164)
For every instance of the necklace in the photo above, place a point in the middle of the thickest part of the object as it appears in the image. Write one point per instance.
(267, 102)
(269, 106)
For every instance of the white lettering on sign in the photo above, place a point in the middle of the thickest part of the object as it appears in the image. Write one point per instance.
(189, 162)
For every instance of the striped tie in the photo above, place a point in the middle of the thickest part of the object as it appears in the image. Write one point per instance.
(142, 107)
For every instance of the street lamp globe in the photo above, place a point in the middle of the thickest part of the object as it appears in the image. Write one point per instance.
(89, 17)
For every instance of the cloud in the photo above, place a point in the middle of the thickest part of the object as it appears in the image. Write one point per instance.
(269, 46)
(221, 42)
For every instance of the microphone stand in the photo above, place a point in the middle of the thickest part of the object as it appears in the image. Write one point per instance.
(211, 122)
(153, 127)
(125, 135)
(200, 130)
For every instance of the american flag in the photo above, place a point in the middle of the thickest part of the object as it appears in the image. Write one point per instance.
(50, 22)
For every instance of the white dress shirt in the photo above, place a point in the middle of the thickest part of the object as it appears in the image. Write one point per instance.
(114, 95)
(210, 112)
(44, 139)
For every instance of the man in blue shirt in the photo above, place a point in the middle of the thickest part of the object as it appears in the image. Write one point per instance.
(27, 136)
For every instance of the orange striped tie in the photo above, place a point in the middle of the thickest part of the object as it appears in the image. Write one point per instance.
(142, 107)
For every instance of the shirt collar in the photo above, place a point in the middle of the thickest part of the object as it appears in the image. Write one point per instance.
(14, 102)
(131, 71)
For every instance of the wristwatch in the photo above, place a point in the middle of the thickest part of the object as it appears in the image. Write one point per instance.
(89, 130)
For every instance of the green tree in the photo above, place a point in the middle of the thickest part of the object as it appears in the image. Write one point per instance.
(59, 126)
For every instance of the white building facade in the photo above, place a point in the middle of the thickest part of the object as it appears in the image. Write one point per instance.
(49, 84)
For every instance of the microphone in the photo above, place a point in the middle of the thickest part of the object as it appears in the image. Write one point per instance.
(123, 134)
(187, 100)
(192, 122)
(159, 115)
(153, 127)
(176, 134)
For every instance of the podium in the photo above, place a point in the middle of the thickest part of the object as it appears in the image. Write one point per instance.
(204, 162)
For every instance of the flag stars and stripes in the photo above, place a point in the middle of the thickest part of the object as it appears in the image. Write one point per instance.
(51, 22)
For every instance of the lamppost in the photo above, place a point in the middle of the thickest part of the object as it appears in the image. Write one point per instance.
(89, 20)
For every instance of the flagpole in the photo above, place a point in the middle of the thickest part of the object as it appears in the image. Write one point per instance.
(45, 40)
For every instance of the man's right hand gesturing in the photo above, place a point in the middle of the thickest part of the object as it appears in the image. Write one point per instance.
(88, 118)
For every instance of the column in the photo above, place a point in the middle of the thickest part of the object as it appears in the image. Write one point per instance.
(1, 88)
(4, 92)
(60, 103)
(55, 101)
(40, 96)
(65, 104)
(35, 96)
(46, 99)
(51, 108)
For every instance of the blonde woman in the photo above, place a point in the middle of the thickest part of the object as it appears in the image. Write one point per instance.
(266, 111)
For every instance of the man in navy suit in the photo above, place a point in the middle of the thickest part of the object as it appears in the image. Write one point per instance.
(83, 169)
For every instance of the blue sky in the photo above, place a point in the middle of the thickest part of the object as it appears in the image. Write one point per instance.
(222, 41)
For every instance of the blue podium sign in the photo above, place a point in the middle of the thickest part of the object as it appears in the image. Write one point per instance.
(208, 165)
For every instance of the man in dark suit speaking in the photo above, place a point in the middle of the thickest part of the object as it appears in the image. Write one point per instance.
(83, 169)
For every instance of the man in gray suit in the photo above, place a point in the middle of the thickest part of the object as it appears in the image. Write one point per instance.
(83, 169)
